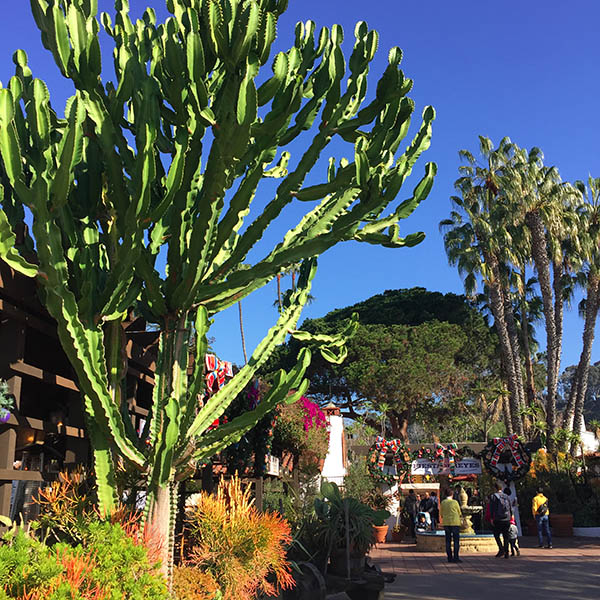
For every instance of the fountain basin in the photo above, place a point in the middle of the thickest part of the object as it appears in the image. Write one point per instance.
(435, 541)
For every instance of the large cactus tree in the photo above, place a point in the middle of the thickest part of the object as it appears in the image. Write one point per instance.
(142, 192)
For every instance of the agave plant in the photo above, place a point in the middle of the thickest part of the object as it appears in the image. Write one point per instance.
(142, 194)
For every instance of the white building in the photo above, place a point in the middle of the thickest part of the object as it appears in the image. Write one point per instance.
(334, 467)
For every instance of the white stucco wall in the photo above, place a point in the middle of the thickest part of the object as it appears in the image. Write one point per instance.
(333, 468)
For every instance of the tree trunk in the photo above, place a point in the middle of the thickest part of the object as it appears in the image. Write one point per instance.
(497, 306)
(583, 368)
(160, 526)
(506, 413)
(527, 352)
(399, 424)
(539, 249)
(279, 304)
(242, 333)
(170, 383)
(559, 304)
(513, 335)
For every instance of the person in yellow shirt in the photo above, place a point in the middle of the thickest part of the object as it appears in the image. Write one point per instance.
(451, 519)
(541, 514)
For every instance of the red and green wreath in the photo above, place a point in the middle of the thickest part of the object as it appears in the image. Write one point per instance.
(512, 451)
(376, 460)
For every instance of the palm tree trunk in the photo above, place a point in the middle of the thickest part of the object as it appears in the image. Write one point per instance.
(539, 249)
(506, 413)
(242, 333)
(583, 368)
(526, 348)
(516, 348)
(497, 306)
(279, 292)
(558, 315)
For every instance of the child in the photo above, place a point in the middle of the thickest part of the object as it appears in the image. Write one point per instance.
(422, 524)
(513, 537)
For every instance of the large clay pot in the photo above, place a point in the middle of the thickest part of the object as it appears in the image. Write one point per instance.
(562, 525)
(380, 533)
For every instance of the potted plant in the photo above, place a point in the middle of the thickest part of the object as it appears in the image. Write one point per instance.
(379, 502)
(7, 402)
(345, 529)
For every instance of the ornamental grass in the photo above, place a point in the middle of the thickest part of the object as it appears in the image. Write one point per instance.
(243, 550)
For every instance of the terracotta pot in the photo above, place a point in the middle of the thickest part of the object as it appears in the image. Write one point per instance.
(380, 533)
(562, 525)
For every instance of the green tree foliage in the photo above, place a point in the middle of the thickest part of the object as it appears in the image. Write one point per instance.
(413, 349)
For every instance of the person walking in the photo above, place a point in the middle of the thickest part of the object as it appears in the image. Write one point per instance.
(513, 537)
(500, 513)
(541, 514)
(411, 508)
(451, 519)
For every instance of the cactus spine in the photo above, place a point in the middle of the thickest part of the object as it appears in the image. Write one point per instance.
(119, 181)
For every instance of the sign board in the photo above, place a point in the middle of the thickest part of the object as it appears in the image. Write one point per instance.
(272, 465)
(466, 466)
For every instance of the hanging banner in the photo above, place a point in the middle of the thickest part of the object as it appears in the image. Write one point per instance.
(465, 466)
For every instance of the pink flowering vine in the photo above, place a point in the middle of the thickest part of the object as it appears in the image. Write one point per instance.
(313, 415)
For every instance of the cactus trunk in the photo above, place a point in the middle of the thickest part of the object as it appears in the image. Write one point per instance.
(159, 523)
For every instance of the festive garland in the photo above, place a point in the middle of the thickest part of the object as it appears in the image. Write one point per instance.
(520, 458)
(403, 458)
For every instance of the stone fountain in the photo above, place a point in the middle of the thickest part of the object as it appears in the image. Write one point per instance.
(466, 526)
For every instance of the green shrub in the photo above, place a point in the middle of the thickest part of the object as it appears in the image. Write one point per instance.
(358, 483)
(25, 564)
(122, 565)
(107, 565)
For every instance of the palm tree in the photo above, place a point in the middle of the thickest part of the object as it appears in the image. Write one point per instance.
(242, 332)
(589, 278)
(541, 203)
(476, 240)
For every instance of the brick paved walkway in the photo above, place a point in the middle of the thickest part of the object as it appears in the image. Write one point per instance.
(569, 571)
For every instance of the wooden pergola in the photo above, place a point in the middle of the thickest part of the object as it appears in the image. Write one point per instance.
(48, 405)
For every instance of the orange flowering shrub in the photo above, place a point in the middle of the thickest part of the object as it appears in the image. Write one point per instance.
(242, 549)
(190, 583)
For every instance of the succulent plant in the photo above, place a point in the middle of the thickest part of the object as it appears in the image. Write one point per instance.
(124, 210)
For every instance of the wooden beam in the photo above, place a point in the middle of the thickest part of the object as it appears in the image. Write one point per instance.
(26, 369)
(12, 475)
(23, 316)
(39, 425)
(139, 375)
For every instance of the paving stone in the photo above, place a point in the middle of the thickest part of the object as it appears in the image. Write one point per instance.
(569, 571)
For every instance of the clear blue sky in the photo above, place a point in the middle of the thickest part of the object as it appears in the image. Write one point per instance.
(528, 70)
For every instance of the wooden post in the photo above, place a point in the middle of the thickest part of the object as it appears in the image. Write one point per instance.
(259, 493)
(12, 347)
